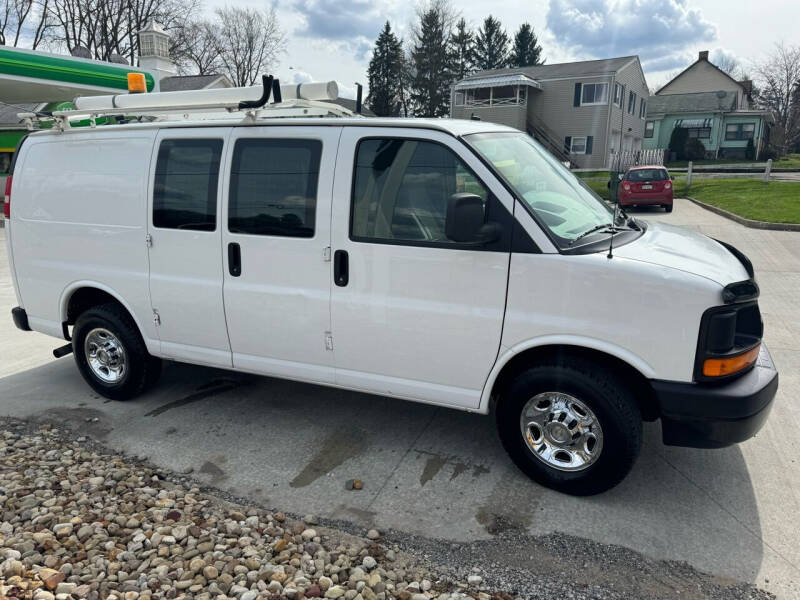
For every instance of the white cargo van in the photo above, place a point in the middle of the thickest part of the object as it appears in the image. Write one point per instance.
(455, 263)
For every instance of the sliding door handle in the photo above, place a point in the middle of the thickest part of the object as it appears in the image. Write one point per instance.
(234, 259)
(341, 268)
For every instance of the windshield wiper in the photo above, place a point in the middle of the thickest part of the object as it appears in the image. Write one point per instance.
(593, 230)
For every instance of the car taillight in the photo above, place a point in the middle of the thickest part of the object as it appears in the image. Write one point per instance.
(7, 199)
(626, 187)
(668, 186)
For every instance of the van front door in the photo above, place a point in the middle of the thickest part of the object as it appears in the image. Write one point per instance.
(185, 245)
(277, 288)
(414, 314)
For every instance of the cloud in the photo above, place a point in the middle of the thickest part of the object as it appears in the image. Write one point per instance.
(332, 20)
(659, 31)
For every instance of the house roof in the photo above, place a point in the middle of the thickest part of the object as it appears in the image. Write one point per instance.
(698, 102)
(555, 71)
(495, 80)
(703, 57)
(180, 83)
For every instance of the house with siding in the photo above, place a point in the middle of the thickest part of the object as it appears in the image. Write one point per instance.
(584, 112)
(713, 107)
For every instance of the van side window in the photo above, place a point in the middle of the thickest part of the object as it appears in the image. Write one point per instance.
(401, 189)
(274, 187)
(185, 194)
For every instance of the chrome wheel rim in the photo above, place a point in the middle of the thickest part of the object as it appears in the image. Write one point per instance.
(561, 431)
(105, 355)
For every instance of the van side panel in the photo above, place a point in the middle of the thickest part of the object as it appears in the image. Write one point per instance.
(78, 219)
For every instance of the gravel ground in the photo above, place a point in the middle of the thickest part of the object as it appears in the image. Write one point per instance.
(78, 521)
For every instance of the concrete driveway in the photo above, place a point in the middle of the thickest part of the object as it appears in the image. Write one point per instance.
(439, 473)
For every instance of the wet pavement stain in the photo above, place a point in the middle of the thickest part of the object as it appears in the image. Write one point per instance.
(88, 421)
(211, 388)
(436, 462)
(337, 448)
(217, 474)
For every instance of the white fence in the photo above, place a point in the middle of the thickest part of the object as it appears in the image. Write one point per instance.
(621, 161)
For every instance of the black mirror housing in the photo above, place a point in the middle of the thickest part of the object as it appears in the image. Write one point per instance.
(464, 218)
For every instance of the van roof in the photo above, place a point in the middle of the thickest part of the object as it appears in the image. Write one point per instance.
(455, 127)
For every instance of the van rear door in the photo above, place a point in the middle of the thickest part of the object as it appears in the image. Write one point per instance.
(276, 239)
(186, 245)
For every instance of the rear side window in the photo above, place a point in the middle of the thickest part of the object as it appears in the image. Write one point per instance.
(274, 187)
(185, 194)
(647, 175)
(402, 188)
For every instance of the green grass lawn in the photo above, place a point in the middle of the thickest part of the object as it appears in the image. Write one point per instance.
(790, 161)
(777, 201)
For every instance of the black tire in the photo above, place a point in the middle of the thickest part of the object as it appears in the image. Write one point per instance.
(141, 369)
(668, 208)
(599, 389)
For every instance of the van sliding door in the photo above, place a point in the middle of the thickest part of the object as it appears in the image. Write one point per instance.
(185, 245)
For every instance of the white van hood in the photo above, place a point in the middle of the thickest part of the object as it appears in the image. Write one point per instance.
(685, 250)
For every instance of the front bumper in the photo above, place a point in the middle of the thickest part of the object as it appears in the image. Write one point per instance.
(715, 416)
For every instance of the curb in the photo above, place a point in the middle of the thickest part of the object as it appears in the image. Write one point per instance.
(746, 222)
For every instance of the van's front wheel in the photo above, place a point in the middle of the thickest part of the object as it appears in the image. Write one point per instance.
(111, 354)
(572, 426)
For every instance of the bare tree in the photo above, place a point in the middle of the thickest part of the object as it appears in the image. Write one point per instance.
(249, 42)
(107, 27)
(777, 78)
(728, 63)
(23, 22)
(195, 48)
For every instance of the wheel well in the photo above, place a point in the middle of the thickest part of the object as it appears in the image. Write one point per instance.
(85, 298)
(638, 383)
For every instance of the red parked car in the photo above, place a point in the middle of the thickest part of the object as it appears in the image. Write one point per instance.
(646, 186)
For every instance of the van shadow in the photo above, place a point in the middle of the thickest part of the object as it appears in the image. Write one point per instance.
(428, 471)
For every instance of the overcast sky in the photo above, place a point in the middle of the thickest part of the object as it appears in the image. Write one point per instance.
(332, 39)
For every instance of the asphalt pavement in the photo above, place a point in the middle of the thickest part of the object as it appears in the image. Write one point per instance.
(437, 473)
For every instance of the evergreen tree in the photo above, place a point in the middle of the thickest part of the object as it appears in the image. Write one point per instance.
(431, 63)
(384, 74)
(462, 50)
(526, 50)
(491, 45)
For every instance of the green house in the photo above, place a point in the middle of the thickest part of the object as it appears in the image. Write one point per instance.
(713, 107)
(712, 117)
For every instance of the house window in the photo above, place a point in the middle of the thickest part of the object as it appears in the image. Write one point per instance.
(594, 93)
(649, 128)
(618, 94)
(702, 133)
(578, 145)
(631, 103)
(503, 95)
(642, 109)
(459, 100)
(739, 131)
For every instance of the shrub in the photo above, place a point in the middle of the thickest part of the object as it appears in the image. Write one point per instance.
(695, 150)
(750, 150)
(677, 142)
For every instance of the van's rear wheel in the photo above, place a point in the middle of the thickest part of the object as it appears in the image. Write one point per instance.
(111, 354)
(571, 425)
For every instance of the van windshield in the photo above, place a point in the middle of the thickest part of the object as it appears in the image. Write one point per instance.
(562, 203)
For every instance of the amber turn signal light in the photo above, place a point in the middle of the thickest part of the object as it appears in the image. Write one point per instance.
(136, 83)
(719, 367)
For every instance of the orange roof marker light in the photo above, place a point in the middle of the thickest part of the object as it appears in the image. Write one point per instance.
(136, 83)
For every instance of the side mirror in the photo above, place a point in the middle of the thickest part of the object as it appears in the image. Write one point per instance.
(464, 222)
(672, 177)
